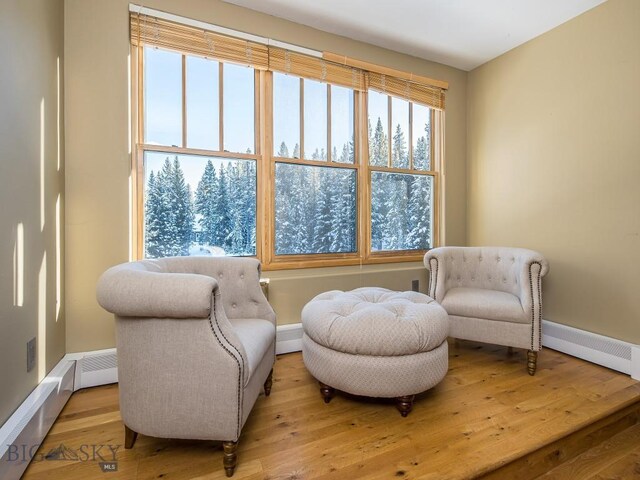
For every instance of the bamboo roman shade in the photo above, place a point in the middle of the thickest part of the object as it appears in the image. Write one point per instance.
(157, 32)
(315, 68)
(428, 95)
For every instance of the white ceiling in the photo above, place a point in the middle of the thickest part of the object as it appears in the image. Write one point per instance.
(460, 33)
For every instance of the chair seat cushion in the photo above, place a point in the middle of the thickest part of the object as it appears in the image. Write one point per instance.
(482, 303)
(256, 336)
(375, 321)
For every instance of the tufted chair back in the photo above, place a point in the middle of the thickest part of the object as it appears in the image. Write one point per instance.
(239, 282)
(490, 268)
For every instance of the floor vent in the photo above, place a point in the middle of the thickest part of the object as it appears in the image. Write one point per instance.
(96, 368)
(605, 351)
(289, 338)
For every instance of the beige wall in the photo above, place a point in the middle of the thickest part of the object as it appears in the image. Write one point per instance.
(98, 159)
(31, 41)
(554, 164)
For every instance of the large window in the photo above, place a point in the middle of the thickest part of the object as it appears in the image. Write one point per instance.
(290, 159)
(315, 171)
(402, 183)
(198, 157)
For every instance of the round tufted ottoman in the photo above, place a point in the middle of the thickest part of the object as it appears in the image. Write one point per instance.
(375, 342)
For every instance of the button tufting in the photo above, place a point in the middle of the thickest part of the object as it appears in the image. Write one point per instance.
(233, 305)
(242, 275)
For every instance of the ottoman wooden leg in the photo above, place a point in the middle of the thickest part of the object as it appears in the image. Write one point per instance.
(327, 392)
(405, 404)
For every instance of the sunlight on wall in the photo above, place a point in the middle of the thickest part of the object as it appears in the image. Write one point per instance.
(131, 230)
(58, 108)
(58, 258)
(42, 164)
(18, 267)
(42, 318)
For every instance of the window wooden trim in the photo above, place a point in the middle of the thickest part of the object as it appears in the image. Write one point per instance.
(265, 171)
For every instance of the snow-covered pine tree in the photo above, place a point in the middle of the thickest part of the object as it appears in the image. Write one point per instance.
(419, 214)
(283, 210)
(323, 213)
(420, 154)
(152, 212)
(206, 204)
(344, 156)
(247, 205)
(296, 151)
(427, 131)
(343, 236)
(283, 151)
(181, 204)
(222, 237)
(379, 146)
(399, 153)
(395, 225)
(380, 191)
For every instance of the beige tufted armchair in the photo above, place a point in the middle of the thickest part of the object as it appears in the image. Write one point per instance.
(492, 294)
(196, 343)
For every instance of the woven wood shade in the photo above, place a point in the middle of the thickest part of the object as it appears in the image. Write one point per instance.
(157, 32)
(414, 92)
(281, 60)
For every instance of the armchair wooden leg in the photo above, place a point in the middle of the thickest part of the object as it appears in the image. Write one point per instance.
(327, 392)
(405, 404)
(532, 360)
(268, 383)
(510, 351)
(230, 458)
(129, 437)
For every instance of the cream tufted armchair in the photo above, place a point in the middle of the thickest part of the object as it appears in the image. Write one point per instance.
(196, 343)
(492, 294)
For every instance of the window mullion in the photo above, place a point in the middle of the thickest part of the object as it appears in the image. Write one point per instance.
(390, 134)
(410, 135)
(184, 101)
(302, 152)
(330, 158)
(221, 104)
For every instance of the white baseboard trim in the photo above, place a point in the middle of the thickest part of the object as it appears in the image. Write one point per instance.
(609, 352)
(288, 338)
(23, 432)
(635, 362)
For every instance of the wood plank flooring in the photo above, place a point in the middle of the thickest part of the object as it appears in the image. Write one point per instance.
(487, 414)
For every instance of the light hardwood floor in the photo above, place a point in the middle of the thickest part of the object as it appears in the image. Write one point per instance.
(486, 414)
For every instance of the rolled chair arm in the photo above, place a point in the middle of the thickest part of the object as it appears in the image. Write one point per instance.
(130, 291)
(433, 261)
